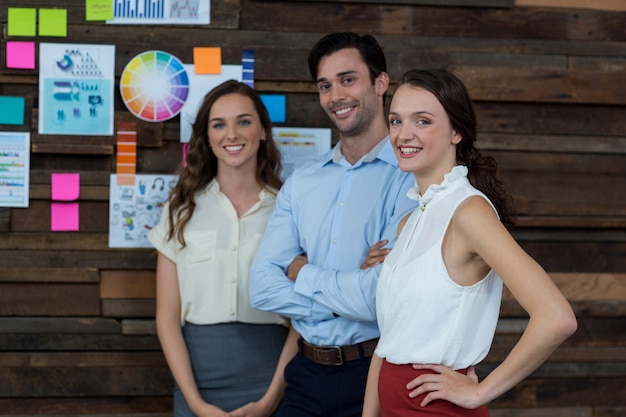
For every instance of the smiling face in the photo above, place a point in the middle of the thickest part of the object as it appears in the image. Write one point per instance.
(346, 92)
(235, 132)
(421, 134)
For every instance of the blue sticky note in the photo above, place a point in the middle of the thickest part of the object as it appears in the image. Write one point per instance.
(12, 110)
(275, 106)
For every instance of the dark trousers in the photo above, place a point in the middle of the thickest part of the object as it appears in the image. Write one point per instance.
(315, 390)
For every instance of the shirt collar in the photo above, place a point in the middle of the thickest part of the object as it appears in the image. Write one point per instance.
(382, 151)
(265, 194)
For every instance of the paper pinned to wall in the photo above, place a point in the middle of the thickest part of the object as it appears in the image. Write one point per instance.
(65, 186)
(12, 110)
(207, 60)
(15, 163)
(53, 22)
(22, 21)
(298, 145)
(98, 10)
(64, 217)
(164, 12)
(199, 85)
(76, 89)
(20, 55)
(135, 210)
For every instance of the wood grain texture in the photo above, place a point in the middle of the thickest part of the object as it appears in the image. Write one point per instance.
(77, 318)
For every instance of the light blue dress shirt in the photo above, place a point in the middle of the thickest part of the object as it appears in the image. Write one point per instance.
(332, 212)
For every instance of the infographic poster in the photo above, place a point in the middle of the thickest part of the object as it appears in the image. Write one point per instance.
(76, 85)
(14, 168)
(298, 145)
(165, 12)
(135, 209)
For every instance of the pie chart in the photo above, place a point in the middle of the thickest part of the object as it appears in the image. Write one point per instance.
(154, 86)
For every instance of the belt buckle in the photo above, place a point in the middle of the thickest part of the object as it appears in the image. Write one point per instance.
(339, 353)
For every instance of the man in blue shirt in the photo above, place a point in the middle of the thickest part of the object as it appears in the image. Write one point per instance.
(328, 214)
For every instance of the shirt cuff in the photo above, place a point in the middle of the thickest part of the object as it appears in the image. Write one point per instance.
(305, 286)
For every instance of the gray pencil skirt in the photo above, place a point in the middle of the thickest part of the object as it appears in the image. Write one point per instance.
(233, 363)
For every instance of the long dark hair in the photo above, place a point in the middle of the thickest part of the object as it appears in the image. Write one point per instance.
(456, 101)
(201, 162)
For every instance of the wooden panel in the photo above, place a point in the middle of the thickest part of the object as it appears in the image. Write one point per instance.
(111, 259)
(139, 327)
(44, 299)
(550, 103)
(4, 219)
(60, 148)
(160, 406)
(601, 4)
(544, 143)
(129, 308)
(90, 382)
(462, 3)
(56, 342)
(56, 241)
(43, 192)
(542, 412)
(127, 284)
(434, 21)
(93, 217)
(58, 325)
(80, 359)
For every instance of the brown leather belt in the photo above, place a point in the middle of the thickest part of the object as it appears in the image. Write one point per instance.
(337, 355)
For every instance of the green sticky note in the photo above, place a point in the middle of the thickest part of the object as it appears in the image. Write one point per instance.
(22, 21)
(53, 22)
(98, 10)
(12, 110)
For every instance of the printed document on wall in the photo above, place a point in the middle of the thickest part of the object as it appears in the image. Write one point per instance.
(298, 145)
(14, 168)
(161, 12)
(135, 209)
(76, 84)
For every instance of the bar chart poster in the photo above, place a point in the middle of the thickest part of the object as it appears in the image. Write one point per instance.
(154, 12)
(14, 168)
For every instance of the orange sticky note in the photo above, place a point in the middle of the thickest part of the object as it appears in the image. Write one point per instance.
(207, 60)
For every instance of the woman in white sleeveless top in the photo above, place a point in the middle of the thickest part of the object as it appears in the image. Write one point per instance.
(439, 292)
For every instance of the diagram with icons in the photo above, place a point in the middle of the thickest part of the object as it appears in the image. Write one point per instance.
(76, 89)
(135, 210)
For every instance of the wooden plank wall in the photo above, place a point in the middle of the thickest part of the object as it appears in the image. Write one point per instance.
(77, 333)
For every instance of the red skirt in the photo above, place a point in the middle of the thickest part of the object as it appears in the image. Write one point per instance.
(395, 401)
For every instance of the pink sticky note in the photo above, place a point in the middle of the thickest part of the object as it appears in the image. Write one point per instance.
(21, 55)
(65, 187)
(64, 217)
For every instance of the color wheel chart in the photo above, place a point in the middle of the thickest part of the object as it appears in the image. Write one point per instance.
(154, 86)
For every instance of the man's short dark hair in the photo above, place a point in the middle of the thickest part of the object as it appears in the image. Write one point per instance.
(368, 47)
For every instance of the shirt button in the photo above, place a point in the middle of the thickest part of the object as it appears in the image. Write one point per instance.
(234, 248)
(341, 204)
(334, 241)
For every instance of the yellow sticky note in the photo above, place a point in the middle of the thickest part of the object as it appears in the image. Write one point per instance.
(22, 21)
(53, 22)
(98, 10)
(207, 60)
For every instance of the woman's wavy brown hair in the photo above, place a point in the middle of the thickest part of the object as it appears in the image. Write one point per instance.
(201, 166)
(456, 101)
